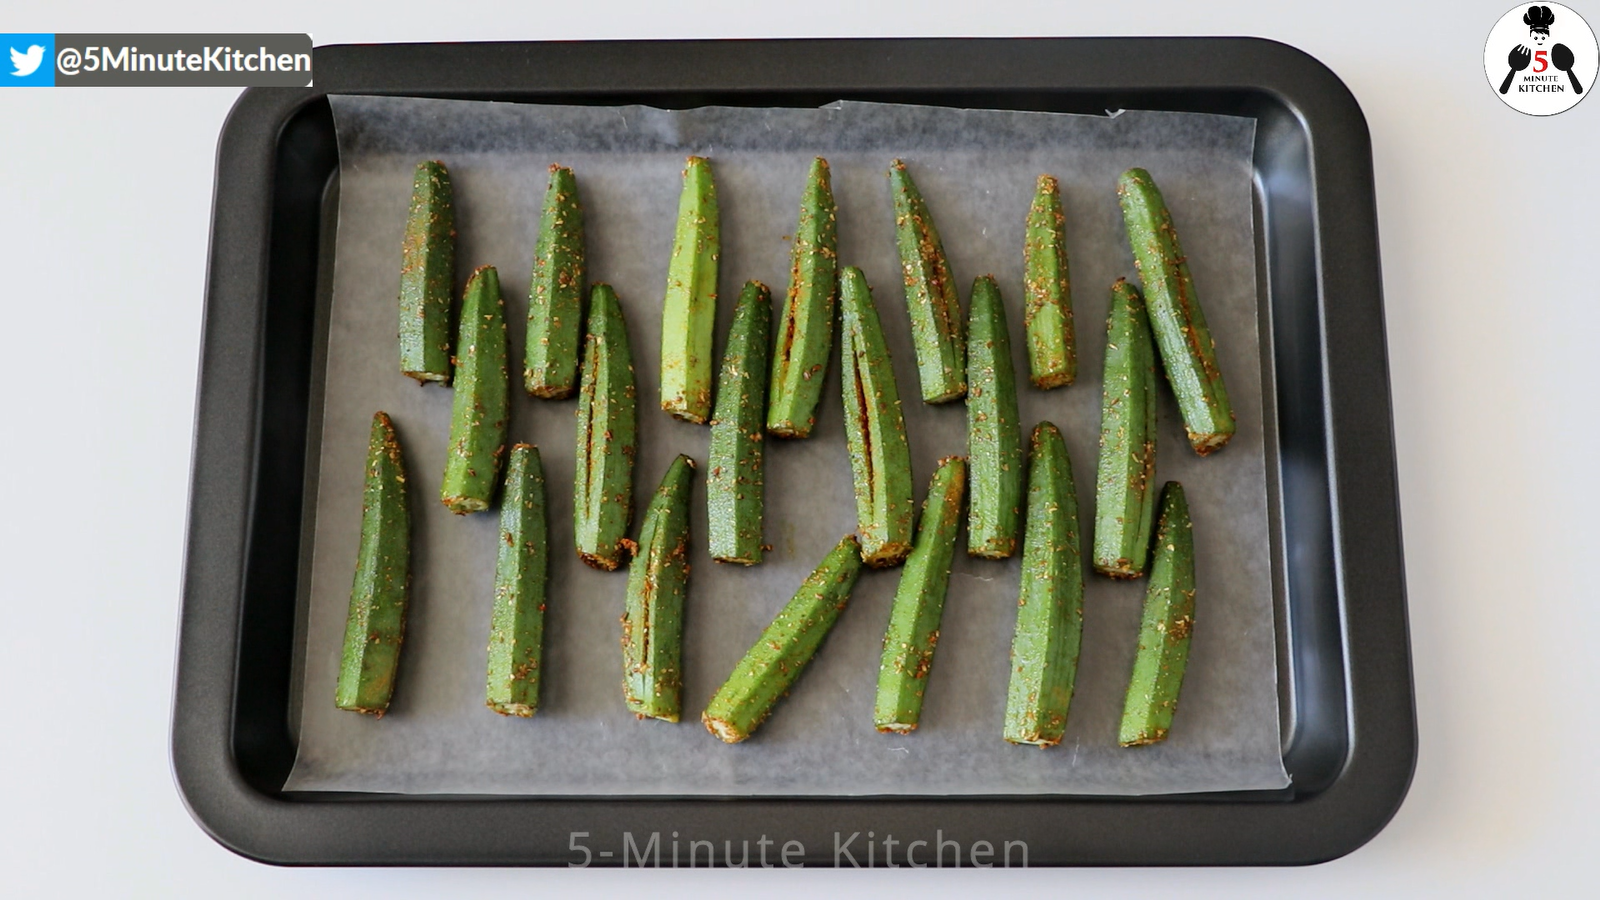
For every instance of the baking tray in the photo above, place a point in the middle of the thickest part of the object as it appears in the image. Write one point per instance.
(1349, 735)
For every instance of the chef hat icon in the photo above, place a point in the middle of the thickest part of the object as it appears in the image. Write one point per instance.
(1538, 19)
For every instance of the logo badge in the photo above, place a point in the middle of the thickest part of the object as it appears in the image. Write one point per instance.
(1541, 59)
(32, 62)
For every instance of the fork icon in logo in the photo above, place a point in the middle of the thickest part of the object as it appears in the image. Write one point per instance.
(1518, 60)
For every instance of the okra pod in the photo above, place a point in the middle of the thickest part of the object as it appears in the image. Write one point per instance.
(1047, 319)
(689, 311)
(913, 631)
(785, 648)
(734, 481)
(1165, 629)
(516, 627)
(602, 504)
(805, 329)
(1124, 505)
(1044, 647)
(427, 275)
(555, 292)
(1188, 354)
(930, 293)
(478, 413)
(652, 621)
(376, 623)
(994, 435)
(875, 427)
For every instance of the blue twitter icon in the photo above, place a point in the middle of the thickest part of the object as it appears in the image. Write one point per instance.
(32, 62)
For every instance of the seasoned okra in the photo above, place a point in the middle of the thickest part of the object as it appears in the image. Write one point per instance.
(1124, 504)
(936, 323)
(427, 275)
(602, 504)
(1164, 631)
(735, 484)
(805, 327)
(652, 622)
(994, 434)
(689, 311)
(555, 292)
(376, 623)
(516, 627)
(480, 406)
(1047, 316)
(875, 428)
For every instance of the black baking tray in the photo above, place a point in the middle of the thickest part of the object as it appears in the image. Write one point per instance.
(1350, 723)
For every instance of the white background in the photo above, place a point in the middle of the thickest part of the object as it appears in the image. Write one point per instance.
(1486, 218)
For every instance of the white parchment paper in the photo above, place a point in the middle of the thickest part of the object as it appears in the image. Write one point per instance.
(976, 169)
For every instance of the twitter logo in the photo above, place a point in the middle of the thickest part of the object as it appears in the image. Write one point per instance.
(33, 60)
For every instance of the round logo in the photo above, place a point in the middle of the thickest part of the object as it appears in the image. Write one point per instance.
(1541, 59)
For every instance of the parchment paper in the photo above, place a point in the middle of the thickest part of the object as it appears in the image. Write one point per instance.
(977, 170)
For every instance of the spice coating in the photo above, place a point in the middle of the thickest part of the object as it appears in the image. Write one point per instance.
(735, 483)
(555, 292)
(1047, 316)
(1188, 353)
(1124, 503)
(994, 433)
(652, 621)
(689, 309)
(427, 275)
(1049, 632)
(1165, 629)
(875, 428)
(376, 623)
(913, 632)
(602, 502)
(480, 405)
(805, 325)
(516, 627)
(930, 291)
(785, 647)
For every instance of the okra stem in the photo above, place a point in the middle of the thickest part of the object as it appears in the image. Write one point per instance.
(1044, 648)
(1164, 632)
(930, 293)
(875, 428)
(376, 623)
(913, 631)
(785, 648)
(735, 481)
(1188, 353)
(805, 328)
(516, 628)
(478, 413)
(1047, 320)
(652, 623)
(555, 292)
(427, 275)
(994, 435)
(1124, 506)
(689, 311)
(602, 505)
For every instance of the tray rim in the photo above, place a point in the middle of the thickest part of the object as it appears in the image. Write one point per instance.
(1179, 829)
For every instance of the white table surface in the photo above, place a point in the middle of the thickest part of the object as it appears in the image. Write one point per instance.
(1487, 226)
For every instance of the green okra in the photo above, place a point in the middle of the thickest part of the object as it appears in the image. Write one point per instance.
(805, 328)
(1124, 504)
(555, 292)
(516, 627)
(480, 407)
(427, 275)
(1188, 353)
(376, 623)
(652, 621)
(785, 647)
(931, 301)
(875, 427)
(913, 631)
(689, 310)
(602, 503)
(1049, 632)
(735, 483)
(994, 434)
(1047, 316)
(1164, 631)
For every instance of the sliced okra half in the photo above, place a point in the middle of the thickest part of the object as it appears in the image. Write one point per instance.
(602, 503)
(555, 292)
(931, 302)
(994, 434)
(376, 623)
(689, 310)
(1165, 628)
(1124, 500)
(875, 428)
(735, 483)
(805, 326)
(652, 621)
(480, 406)
(427, 275)
(522, 564)
(1047, 310)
